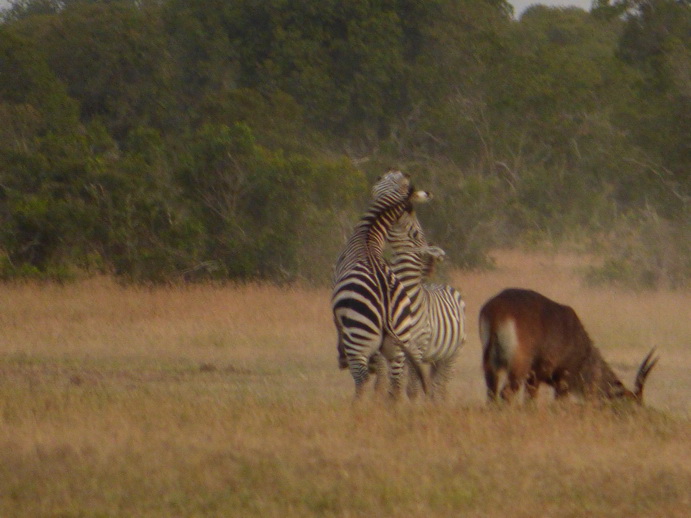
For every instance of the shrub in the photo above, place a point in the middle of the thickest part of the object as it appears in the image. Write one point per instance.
(646, 251)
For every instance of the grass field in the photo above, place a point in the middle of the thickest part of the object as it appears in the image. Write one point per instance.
(227, 401)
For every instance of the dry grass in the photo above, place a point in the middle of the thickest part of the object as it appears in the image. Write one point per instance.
(226, 401)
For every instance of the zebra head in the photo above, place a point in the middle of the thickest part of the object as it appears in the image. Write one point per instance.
(410, 246)
(395, 187)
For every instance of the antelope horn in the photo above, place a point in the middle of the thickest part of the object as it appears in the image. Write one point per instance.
(643, 371)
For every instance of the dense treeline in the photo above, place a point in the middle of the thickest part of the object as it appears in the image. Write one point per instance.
(166, 139)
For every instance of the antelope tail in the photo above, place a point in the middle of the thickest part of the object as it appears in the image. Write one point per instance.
(643, 371)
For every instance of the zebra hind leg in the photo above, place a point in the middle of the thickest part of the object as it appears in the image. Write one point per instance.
(359, 370)
(441, 373)
(342, 358)
(414, 383)
(396, 368)
(396, 362)
(379, 367)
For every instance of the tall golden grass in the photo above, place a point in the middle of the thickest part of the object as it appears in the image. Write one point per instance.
(227, 401)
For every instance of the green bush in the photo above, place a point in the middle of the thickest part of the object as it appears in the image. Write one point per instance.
(645, 251)
(266, 214)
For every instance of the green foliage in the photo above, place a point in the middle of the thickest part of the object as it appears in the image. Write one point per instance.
(32, 100)
(214, 139)
(656, 41)
(112, 57)
(647, 251)
(260, 209)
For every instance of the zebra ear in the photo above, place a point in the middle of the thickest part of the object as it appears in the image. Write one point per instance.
(420, 196)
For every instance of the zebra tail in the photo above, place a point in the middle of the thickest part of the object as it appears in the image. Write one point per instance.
(416, 365)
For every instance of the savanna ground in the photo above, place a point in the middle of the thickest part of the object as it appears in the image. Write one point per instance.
(227, 401)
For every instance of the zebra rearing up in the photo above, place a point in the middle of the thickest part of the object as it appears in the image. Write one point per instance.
(370, 305)
(437, 311)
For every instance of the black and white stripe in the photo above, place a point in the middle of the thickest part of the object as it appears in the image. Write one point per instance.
(437, 311)
(370, 305)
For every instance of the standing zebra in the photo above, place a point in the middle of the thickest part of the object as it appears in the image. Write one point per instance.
(437, 311)
(370, 305)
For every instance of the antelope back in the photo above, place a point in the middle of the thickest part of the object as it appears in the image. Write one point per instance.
(524, 325)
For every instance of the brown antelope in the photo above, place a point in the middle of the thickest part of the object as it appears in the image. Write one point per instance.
(536, 340)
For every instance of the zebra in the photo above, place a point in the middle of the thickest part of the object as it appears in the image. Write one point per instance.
(370, 306)
(437, 311)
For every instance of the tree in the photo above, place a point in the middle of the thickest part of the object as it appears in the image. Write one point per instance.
(260, 210)
(656, 40)
(33, 101)
(113, 59)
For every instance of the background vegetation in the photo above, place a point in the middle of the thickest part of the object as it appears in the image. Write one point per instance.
(165, 139)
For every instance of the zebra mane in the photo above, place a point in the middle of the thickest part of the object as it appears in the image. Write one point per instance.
(391, 196)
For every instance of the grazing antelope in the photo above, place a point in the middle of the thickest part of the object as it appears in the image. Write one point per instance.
(536, 340)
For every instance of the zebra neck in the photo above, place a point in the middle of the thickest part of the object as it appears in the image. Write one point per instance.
(411, 279)
(374, 228)
(407, 269)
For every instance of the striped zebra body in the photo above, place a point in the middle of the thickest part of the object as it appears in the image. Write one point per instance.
(437, 311)
(370, 305)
